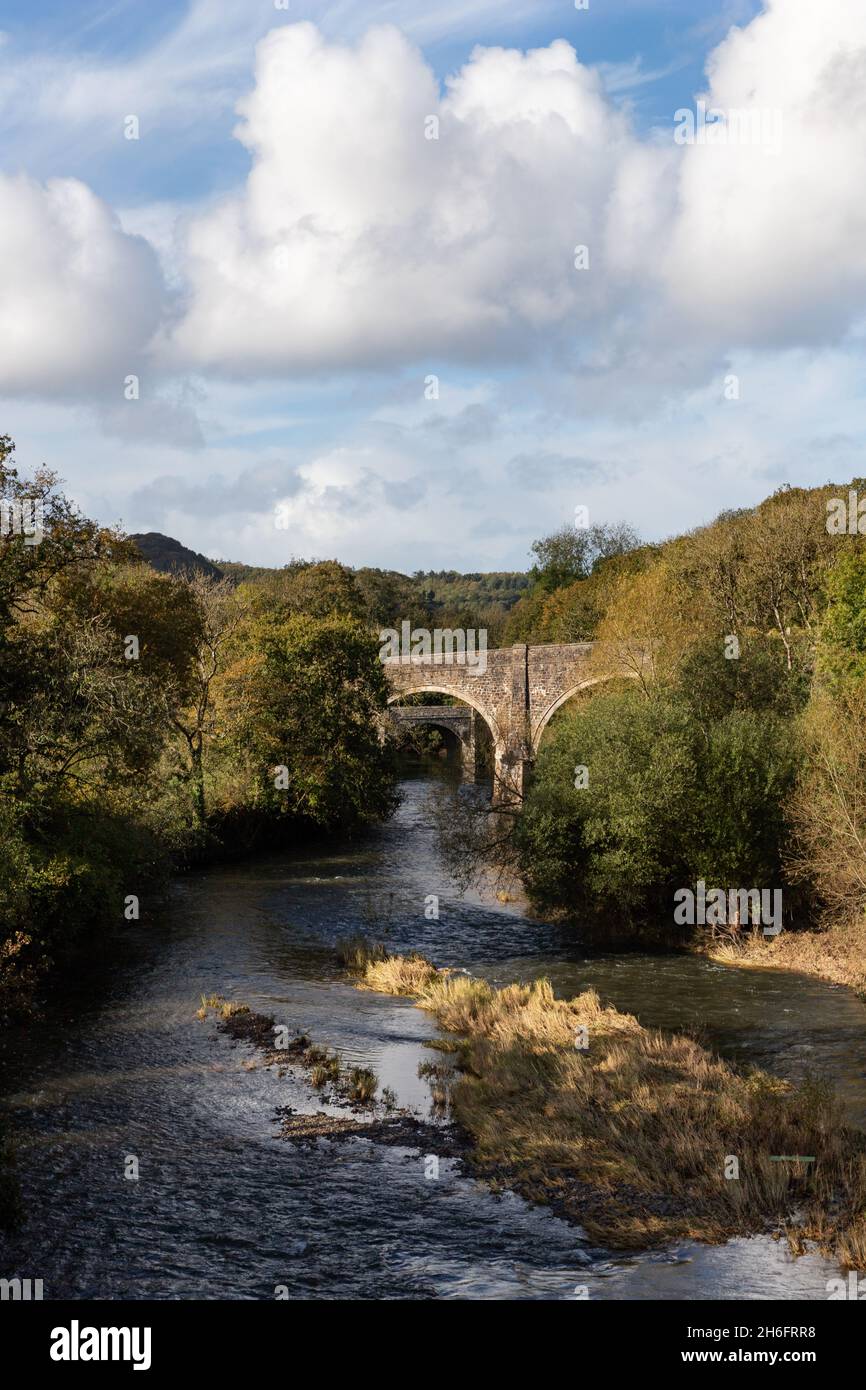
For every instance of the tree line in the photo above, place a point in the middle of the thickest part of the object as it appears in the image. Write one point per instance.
(734, 753)
(151, 719)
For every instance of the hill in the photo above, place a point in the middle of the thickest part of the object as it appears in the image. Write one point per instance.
(167, 555)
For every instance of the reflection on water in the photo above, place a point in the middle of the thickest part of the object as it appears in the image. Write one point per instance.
(223, 1209)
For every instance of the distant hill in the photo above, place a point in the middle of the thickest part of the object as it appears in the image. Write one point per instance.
(467, 600)
(167, 555)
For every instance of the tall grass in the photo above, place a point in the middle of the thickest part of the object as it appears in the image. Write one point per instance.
(633, 1136)
(406, 975)
(836, 953)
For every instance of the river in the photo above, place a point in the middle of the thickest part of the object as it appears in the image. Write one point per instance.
(224, 1209)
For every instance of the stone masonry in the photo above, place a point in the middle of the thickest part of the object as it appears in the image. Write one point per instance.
(516, 693)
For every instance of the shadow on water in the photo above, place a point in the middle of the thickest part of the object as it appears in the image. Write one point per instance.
(224, 1209)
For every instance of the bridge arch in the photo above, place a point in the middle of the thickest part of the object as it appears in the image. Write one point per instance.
(463, 722)
(545, 718)
(453, 694)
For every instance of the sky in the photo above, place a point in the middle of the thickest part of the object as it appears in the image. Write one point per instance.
(407, 284)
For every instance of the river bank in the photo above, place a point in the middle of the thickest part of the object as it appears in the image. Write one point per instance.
(837, 954)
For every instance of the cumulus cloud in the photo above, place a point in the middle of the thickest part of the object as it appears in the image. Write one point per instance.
(80, 299)
(355, 243)
(768, 244)
(358, 240)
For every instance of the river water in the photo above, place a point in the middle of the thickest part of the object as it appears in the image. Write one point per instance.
(223, 1208)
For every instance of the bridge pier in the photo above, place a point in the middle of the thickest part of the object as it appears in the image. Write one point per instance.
(513, 759)
(510, 775)
(469, 749)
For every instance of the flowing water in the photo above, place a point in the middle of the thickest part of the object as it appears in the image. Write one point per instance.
(223, 1208)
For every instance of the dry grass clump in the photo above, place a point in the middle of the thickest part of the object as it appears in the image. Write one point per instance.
(837, 953)
(357, 952)
(361, 1085)
(220, 1006)
(631, 1136)
(404, 975)
(323, 1066)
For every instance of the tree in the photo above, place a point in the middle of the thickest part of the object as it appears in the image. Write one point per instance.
(69, 540)
(747, 773)
(221, 611)
(572, 552)
(647, 628)
(664, 801)
(842, 642)
(828, 809)
(390, 598)
(788, 550)
(715, 683)
(324, 588)
(617, 847)
(762, 570)
(308, 698)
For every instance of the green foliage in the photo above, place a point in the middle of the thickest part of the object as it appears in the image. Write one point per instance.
(573, 552)
(324, 588)
(613, 848)
(117, 762)
(63, 881)
(311, 705)
(668, 800)
(746, 774)
(384, 598)
(572, 612)
(842, 646)
(715, 685)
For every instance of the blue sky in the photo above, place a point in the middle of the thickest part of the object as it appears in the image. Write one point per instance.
(326, 310)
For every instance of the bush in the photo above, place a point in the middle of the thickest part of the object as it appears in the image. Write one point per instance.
(668, 801)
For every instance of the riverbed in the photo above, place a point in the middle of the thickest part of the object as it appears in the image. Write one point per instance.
(224, 1209)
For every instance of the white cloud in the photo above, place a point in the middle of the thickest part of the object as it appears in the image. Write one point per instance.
(80, 299)
(356, 244)
(358, 241)
(771, 247)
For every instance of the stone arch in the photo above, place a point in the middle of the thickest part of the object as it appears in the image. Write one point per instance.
(545, 718)
(454, 695)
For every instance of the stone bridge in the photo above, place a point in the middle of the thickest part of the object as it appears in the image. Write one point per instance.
(515, 690)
